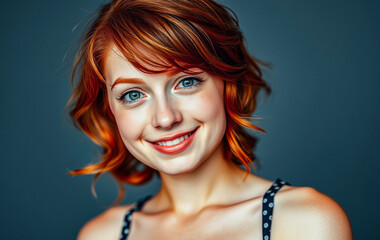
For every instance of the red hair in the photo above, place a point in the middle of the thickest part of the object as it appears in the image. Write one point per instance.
(183, 34)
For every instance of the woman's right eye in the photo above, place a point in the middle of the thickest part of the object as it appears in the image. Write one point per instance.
(131, 97)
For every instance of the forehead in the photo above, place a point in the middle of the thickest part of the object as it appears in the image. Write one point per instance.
(116, 65)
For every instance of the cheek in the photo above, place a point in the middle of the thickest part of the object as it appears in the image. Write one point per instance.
(208, 107)
(130, 124)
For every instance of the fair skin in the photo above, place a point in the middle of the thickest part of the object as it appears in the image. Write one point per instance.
(202, 195)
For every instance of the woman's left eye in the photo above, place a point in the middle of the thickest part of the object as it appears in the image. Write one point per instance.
(189, 82)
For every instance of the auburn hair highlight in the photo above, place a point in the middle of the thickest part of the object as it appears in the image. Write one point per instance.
(182, 35)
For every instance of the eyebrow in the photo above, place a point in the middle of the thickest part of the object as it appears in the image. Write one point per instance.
(127, 80)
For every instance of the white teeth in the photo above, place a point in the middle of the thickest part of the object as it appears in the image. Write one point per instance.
(175, 141)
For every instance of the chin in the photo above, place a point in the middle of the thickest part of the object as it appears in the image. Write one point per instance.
(179, 167)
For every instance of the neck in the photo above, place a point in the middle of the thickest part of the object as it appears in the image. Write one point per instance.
(211, 183)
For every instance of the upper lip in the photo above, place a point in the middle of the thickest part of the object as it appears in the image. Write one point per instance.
(173, 136)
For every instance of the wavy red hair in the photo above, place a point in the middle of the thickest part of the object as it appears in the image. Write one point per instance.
(183, 34)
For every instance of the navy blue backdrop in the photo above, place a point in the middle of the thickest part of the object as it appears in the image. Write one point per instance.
(322, 119)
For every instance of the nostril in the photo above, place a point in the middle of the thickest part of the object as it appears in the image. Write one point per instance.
(167, 119)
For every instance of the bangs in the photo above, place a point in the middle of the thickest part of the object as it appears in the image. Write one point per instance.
(157, 39)
(154, 44)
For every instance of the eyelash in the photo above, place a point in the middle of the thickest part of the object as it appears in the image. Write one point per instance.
(196, 84)
(122, 98)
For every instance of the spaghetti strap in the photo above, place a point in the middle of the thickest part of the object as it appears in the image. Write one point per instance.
(128, 217)
(268, 205)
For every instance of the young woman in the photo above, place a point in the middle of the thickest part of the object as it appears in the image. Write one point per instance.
(167, 87)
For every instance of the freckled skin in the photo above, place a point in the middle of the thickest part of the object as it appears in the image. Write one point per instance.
(165, 110)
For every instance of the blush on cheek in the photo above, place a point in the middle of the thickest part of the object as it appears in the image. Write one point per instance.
(208, 107)
(128, 125)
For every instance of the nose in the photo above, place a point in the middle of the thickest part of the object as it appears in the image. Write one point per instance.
(166, 115)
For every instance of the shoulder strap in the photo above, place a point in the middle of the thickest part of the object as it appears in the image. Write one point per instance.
(128, 217)
(268, 205)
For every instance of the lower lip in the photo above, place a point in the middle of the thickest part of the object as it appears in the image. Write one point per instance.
(174, 149)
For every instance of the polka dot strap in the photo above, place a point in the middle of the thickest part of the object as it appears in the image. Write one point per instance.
(268, 205)
(128, 217)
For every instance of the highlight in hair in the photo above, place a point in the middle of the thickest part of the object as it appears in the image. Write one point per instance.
(182, 34)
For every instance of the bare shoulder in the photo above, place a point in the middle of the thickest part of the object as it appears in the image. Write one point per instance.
(305, 213)
(107, 225)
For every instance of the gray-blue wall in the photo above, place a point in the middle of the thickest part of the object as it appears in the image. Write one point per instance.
(322, 119)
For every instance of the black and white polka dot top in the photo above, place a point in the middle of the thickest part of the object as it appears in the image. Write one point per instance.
(267, 210)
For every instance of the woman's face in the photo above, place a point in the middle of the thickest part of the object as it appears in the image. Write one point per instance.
(170, 122)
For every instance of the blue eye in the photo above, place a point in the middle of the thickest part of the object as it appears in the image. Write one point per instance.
(189, 82)
(131, 97)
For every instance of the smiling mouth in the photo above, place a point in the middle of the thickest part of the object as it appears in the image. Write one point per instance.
(174, 146)
(175, 141)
